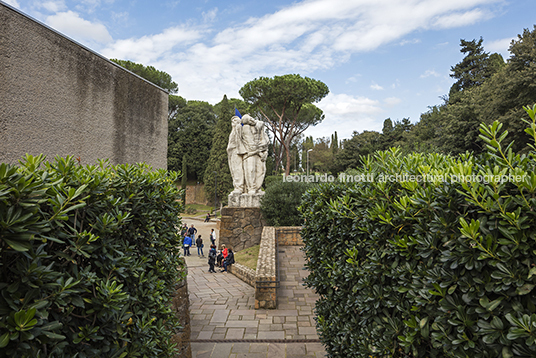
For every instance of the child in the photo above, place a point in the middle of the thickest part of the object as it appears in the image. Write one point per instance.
(199, 244)
(212, 258)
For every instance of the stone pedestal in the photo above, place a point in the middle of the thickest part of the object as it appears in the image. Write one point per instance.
(245, 200)
(241, 228)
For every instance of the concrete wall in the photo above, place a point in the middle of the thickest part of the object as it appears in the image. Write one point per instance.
(60, 98)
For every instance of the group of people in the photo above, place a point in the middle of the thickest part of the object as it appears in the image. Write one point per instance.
(189, 236)
(223, 258)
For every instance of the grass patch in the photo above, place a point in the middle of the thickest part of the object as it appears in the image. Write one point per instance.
(248, 257)
(199, 207)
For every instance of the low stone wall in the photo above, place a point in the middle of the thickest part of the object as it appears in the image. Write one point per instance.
(181, 307)
(242, 272)
(264, 279)
(289, 236)
(266, 274)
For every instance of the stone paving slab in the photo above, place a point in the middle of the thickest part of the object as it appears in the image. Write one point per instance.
(225, 324)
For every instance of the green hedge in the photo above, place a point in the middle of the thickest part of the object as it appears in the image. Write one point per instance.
(88, 259)
(430, 269)
(280, 202)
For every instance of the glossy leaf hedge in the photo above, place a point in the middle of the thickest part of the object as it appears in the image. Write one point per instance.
(89, 259)
(437, 268)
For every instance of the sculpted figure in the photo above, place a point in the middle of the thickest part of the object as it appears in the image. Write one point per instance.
(247, 151)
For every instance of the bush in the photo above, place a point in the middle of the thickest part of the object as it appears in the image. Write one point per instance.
(271, 179)
(437, 268)
(190, 210)
(89, 260)
(280, 203)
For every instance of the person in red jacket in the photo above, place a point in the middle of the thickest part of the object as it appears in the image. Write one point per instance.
(229, 260)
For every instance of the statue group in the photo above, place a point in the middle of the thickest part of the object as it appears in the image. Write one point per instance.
(247, 151)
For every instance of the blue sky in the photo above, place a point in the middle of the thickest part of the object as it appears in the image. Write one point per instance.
(380, 58)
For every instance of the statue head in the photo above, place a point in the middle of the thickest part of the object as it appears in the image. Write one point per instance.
(247, 119)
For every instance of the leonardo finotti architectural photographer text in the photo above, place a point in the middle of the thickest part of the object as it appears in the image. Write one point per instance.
(370, 178)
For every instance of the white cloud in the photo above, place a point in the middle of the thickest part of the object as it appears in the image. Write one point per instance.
(347, 114)
(148, 49)
(429, 73)
(410, 42)
(209, 16)
(392, 101)
(353, 79)
(501, 46)
(458, 19)
(120, 17)
(84, 31)
(54, 6)
(301, 38)
(13, 3)
(376, 87)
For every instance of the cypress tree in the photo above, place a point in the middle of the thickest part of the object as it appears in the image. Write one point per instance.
(218, 161)
(334, 143)
(184, 172)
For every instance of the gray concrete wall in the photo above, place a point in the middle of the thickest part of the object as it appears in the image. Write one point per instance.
(60, 98)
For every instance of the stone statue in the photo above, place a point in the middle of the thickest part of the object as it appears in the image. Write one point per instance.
(247, 151)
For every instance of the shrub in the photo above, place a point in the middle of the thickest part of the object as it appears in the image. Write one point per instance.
(437, 268)
(280, 203)
(190, 210)
(89, 259)
(271, 179)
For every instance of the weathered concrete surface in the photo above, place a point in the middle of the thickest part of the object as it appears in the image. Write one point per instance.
(60, 98)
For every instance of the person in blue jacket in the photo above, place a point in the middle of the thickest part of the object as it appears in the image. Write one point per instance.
(187, 242)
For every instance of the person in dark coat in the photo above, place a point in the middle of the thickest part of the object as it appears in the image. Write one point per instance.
(212, 258)
(199, 245)
(229, 260)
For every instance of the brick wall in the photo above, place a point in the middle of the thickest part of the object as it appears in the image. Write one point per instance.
(289, 236)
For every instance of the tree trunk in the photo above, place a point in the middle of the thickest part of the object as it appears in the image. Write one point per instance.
(287, 168)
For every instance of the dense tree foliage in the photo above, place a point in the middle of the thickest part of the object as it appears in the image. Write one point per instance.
(280, 203)
(151, 74)
(217, 173)
(285, 103)
(190, 136)
(474, 69)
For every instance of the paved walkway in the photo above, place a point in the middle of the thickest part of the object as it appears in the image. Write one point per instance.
(224, 323)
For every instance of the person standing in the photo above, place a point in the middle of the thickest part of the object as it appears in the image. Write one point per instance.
(184, 229)
(213, 237)
(186, 243)
(212, 258)
(191, 232)
(199, 244)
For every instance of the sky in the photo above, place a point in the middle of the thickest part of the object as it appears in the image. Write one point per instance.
(380, 58)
